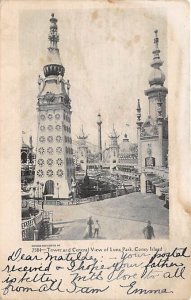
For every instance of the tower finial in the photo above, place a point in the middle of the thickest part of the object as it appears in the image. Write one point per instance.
(156, 63)
(138, 111)
(156, 39)
(53, 35)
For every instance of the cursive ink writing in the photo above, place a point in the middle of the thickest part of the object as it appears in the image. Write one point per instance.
(132, 289)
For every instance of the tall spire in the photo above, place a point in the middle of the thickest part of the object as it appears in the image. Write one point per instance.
(53, 35)
(138, 111)
(82, 135)
(156, 77)
(54, 66)
(156, 62)
(113, 133)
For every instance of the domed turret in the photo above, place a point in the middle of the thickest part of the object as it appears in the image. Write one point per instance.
(157, 91)
(156, 77)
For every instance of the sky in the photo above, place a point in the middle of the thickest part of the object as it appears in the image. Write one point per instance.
(106, 54)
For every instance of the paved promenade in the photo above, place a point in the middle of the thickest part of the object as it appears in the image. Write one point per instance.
(123, 217)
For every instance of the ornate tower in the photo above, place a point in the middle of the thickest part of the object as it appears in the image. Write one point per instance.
(54, 160)
(99, 122)
(82, 149)
(152, 135)
(113, 149)
(157, 92)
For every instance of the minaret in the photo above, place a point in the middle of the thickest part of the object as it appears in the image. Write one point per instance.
(54, 157)
(113, 149)
(151, 137)
(99, 122)
(157, 92)
(157, 97)
(82, 149)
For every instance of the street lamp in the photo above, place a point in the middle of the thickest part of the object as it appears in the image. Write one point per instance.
(58, 189)
(42, 189)
(34, 190)
(38, 189)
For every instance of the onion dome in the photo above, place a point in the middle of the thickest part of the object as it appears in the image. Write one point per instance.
(54, 66)
(156, 76)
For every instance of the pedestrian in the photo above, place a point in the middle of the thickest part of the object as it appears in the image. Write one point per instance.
(97, 228)
(148, 231)
(90, 224)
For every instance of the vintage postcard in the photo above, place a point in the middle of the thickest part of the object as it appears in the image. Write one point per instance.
(95, 150)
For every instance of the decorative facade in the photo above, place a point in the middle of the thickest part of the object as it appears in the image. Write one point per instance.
(82, 150)
(99, 123)
(113, 150)
(27, 162)
(152, 135)
(54, 155)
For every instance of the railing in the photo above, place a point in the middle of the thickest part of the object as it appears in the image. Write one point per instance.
(91, 198)
(30, 225)
(159, 171)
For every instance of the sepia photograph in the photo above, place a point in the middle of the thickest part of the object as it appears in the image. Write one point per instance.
(94, 105)
(95, 150)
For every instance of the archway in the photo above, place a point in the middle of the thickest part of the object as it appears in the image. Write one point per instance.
(24, 157)
(49, 187)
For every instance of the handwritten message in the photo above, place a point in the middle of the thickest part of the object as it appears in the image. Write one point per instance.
(93, 270)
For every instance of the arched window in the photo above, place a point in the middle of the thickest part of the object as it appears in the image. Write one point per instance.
(23, 157)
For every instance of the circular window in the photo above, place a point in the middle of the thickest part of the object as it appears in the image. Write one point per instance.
(49, 173)
(50, 139)
(60, 173)
(58, 138)
(40, 173)
(50, 150)
(42, 117)
(59, 162)
(58, 149)
(50, 116)
(58, 127)
(50, 127)
(50, 162)
(41, 162)
(42, 139)
(41, 150)
(57, 116)
(42, 128)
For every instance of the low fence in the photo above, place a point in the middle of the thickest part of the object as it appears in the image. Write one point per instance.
(32, 226)
(91, 198)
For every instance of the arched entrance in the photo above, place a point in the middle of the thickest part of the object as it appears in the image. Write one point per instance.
(24, 157)
(49, 187)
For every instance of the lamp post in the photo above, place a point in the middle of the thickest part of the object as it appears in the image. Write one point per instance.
(99, 122)
(58, 189)
(42, 189)
(34, 190)
(38, 189)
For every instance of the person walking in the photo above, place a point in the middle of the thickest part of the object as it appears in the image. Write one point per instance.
(148, 231)
(90, 224)
(97, 228)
